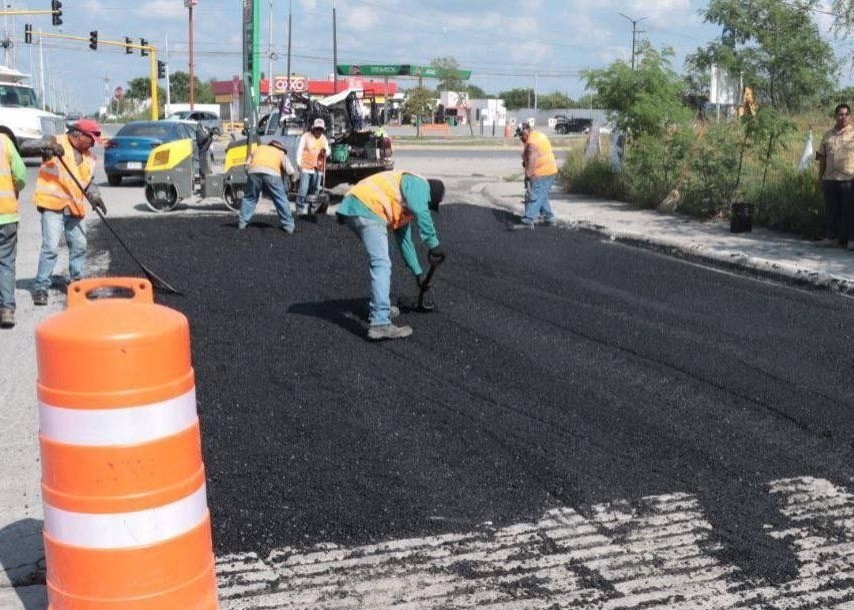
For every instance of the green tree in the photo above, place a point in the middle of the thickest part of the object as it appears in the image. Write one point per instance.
(645, 100)
(447, 68)
(517, 98)
(775, 45)
(555, 100)
(179, 82)
(843, 16)
(476, 92)
(418, 102)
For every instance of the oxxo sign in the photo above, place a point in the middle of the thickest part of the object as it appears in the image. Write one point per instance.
(297, 83)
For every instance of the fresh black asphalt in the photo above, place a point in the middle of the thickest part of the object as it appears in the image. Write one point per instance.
(559, 369)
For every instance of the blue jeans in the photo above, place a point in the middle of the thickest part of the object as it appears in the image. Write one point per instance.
(8, 253)
(538, 202)
(274, 186)
(53, 225)
(838, 208)
(307, 184)
(374, 236)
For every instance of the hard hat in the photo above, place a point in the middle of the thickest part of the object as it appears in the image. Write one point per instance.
(89, 127)
(277, 143)
(319, 124)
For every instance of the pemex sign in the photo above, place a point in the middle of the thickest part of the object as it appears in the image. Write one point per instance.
(389, 70)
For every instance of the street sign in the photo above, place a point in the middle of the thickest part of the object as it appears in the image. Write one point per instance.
(396, 70)
(119, 93)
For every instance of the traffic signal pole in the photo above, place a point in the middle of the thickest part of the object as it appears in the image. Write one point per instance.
(128, 46)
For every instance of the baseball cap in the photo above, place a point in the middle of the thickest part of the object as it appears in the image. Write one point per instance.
(88, 127)
(319, 124)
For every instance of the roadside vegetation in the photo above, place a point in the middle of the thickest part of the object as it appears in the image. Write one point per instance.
(676, 157)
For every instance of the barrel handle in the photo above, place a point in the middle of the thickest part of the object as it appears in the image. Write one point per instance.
(82, 291)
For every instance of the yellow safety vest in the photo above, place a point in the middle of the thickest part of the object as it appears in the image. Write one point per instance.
(267, 157)
(8, 199)
(382, 194)
(311, 151)
(55, 189)
(544, 158)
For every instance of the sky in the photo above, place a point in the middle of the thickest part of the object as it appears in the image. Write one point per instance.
(541, 44)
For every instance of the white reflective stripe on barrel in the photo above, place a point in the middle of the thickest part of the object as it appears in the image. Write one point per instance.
(126, 530)
(123, 426)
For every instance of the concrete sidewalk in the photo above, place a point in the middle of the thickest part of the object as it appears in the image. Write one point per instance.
(778, 255)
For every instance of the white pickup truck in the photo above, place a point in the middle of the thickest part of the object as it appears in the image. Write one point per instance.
(21, 116)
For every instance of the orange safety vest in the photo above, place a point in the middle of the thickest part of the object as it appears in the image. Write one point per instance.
(381, 193)
(8, 198)
(311, 151)
(55, 189)
(544, 158)
(267, 157)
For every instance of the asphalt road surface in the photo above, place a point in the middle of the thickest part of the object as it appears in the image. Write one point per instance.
(561, 375)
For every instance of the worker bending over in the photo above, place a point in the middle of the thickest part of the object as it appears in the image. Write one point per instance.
(391, 200)
(265, 171)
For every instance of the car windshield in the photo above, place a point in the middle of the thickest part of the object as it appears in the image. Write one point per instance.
(147, 130)
(20, 97)
(181, 115)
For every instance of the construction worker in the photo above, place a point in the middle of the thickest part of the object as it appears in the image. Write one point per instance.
(391, 200)
(312, 151)
(267, 166)
(13, 175)
(61, 202)
(540, 173)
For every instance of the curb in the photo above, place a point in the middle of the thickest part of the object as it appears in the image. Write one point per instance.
(729, 259)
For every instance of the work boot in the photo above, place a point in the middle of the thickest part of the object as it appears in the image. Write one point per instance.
(7, 318)
(40, 297)
(388, 331)
(520, 226)
(394, 311)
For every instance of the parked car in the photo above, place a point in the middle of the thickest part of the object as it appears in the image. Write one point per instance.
(565, 124)
(126, 153)
(208, 119)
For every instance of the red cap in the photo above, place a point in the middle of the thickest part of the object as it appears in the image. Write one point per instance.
(90, 127)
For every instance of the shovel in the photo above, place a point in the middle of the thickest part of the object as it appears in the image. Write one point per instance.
(422, 305)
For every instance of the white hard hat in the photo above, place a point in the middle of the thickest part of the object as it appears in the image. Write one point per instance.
(319, 124)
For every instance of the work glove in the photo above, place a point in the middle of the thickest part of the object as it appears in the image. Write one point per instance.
(98, 204)
(52, 150)
(435, 255)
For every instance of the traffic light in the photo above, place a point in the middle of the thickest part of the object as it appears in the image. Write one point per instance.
(144, 44)
(128, 42)
(161, 69)
(93, 40)
(56, 11)
(28, 33)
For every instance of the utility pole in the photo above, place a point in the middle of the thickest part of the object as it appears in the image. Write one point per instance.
(168, 86)
(334, 51)
(189, 4)
(270, 56)
(635, 32)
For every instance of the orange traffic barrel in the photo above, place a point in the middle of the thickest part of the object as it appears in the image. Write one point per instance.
(126, 521)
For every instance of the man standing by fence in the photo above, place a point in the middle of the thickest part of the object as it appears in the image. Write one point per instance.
(835, 172)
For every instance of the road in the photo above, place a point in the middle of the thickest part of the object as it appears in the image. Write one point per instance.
(581, 423)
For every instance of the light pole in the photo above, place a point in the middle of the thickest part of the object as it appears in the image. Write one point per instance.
(190, 4)
(635, 32)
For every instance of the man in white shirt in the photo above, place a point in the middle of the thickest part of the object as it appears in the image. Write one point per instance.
(312, 151)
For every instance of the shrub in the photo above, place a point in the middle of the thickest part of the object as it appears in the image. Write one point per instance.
(790, 202)
(592, 177)
(714, 176)
(654, 163)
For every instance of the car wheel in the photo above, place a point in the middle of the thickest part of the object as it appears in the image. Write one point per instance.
(161, 197)
(114, 179)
